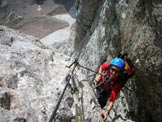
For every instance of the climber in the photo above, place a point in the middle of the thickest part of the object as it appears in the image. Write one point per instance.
(111, 79)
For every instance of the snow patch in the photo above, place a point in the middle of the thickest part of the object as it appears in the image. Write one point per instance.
(60, 35)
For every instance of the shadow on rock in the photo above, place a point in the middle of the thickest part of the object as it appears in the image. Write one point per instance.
(40, 2)
(66, 3)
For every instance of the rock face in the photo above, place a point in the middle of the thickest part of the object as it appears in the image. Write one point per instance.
(32, 76)
(7, 16)
(32, 79)
(26, 71)
(107, 27)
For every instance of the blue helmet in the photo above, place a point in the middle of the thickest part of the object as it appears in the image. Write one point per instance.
(118, 62)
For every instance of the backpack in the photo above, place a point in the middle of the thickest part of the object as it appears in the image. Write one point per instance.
(129, 69)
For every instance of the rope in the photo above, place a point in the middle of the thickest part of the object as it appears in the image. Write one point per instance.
(88, 69)
(73, 88)
(68, 77)
(78, 111)
(78, 114)
(54, 112)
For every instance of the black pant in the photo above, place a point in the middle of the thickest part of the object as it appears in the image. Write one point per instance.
(103, 97)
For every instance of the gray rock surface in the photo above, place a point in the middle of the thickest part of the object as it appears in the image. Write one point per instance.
(26, 68)
(32, 76)
(127, 26)
(32, 79)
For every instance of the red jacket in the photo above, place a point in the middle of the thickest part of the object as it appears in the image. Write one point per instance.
(112, 89)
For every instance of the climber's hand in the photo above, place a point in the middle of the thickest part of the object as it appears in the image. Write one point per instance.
(104, 115)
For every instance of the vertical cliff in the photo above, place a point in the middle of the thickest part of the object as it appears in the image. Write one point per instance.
(106, 27)
(32, 75)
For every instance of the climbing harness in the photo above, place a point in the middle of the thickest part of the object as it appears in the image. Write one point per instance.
(99, 86)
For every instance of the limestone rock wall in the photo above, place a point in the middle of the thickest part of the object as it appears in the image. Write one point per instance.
(32, 79)
(128, 26)
(9, 17)
(28, 78)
